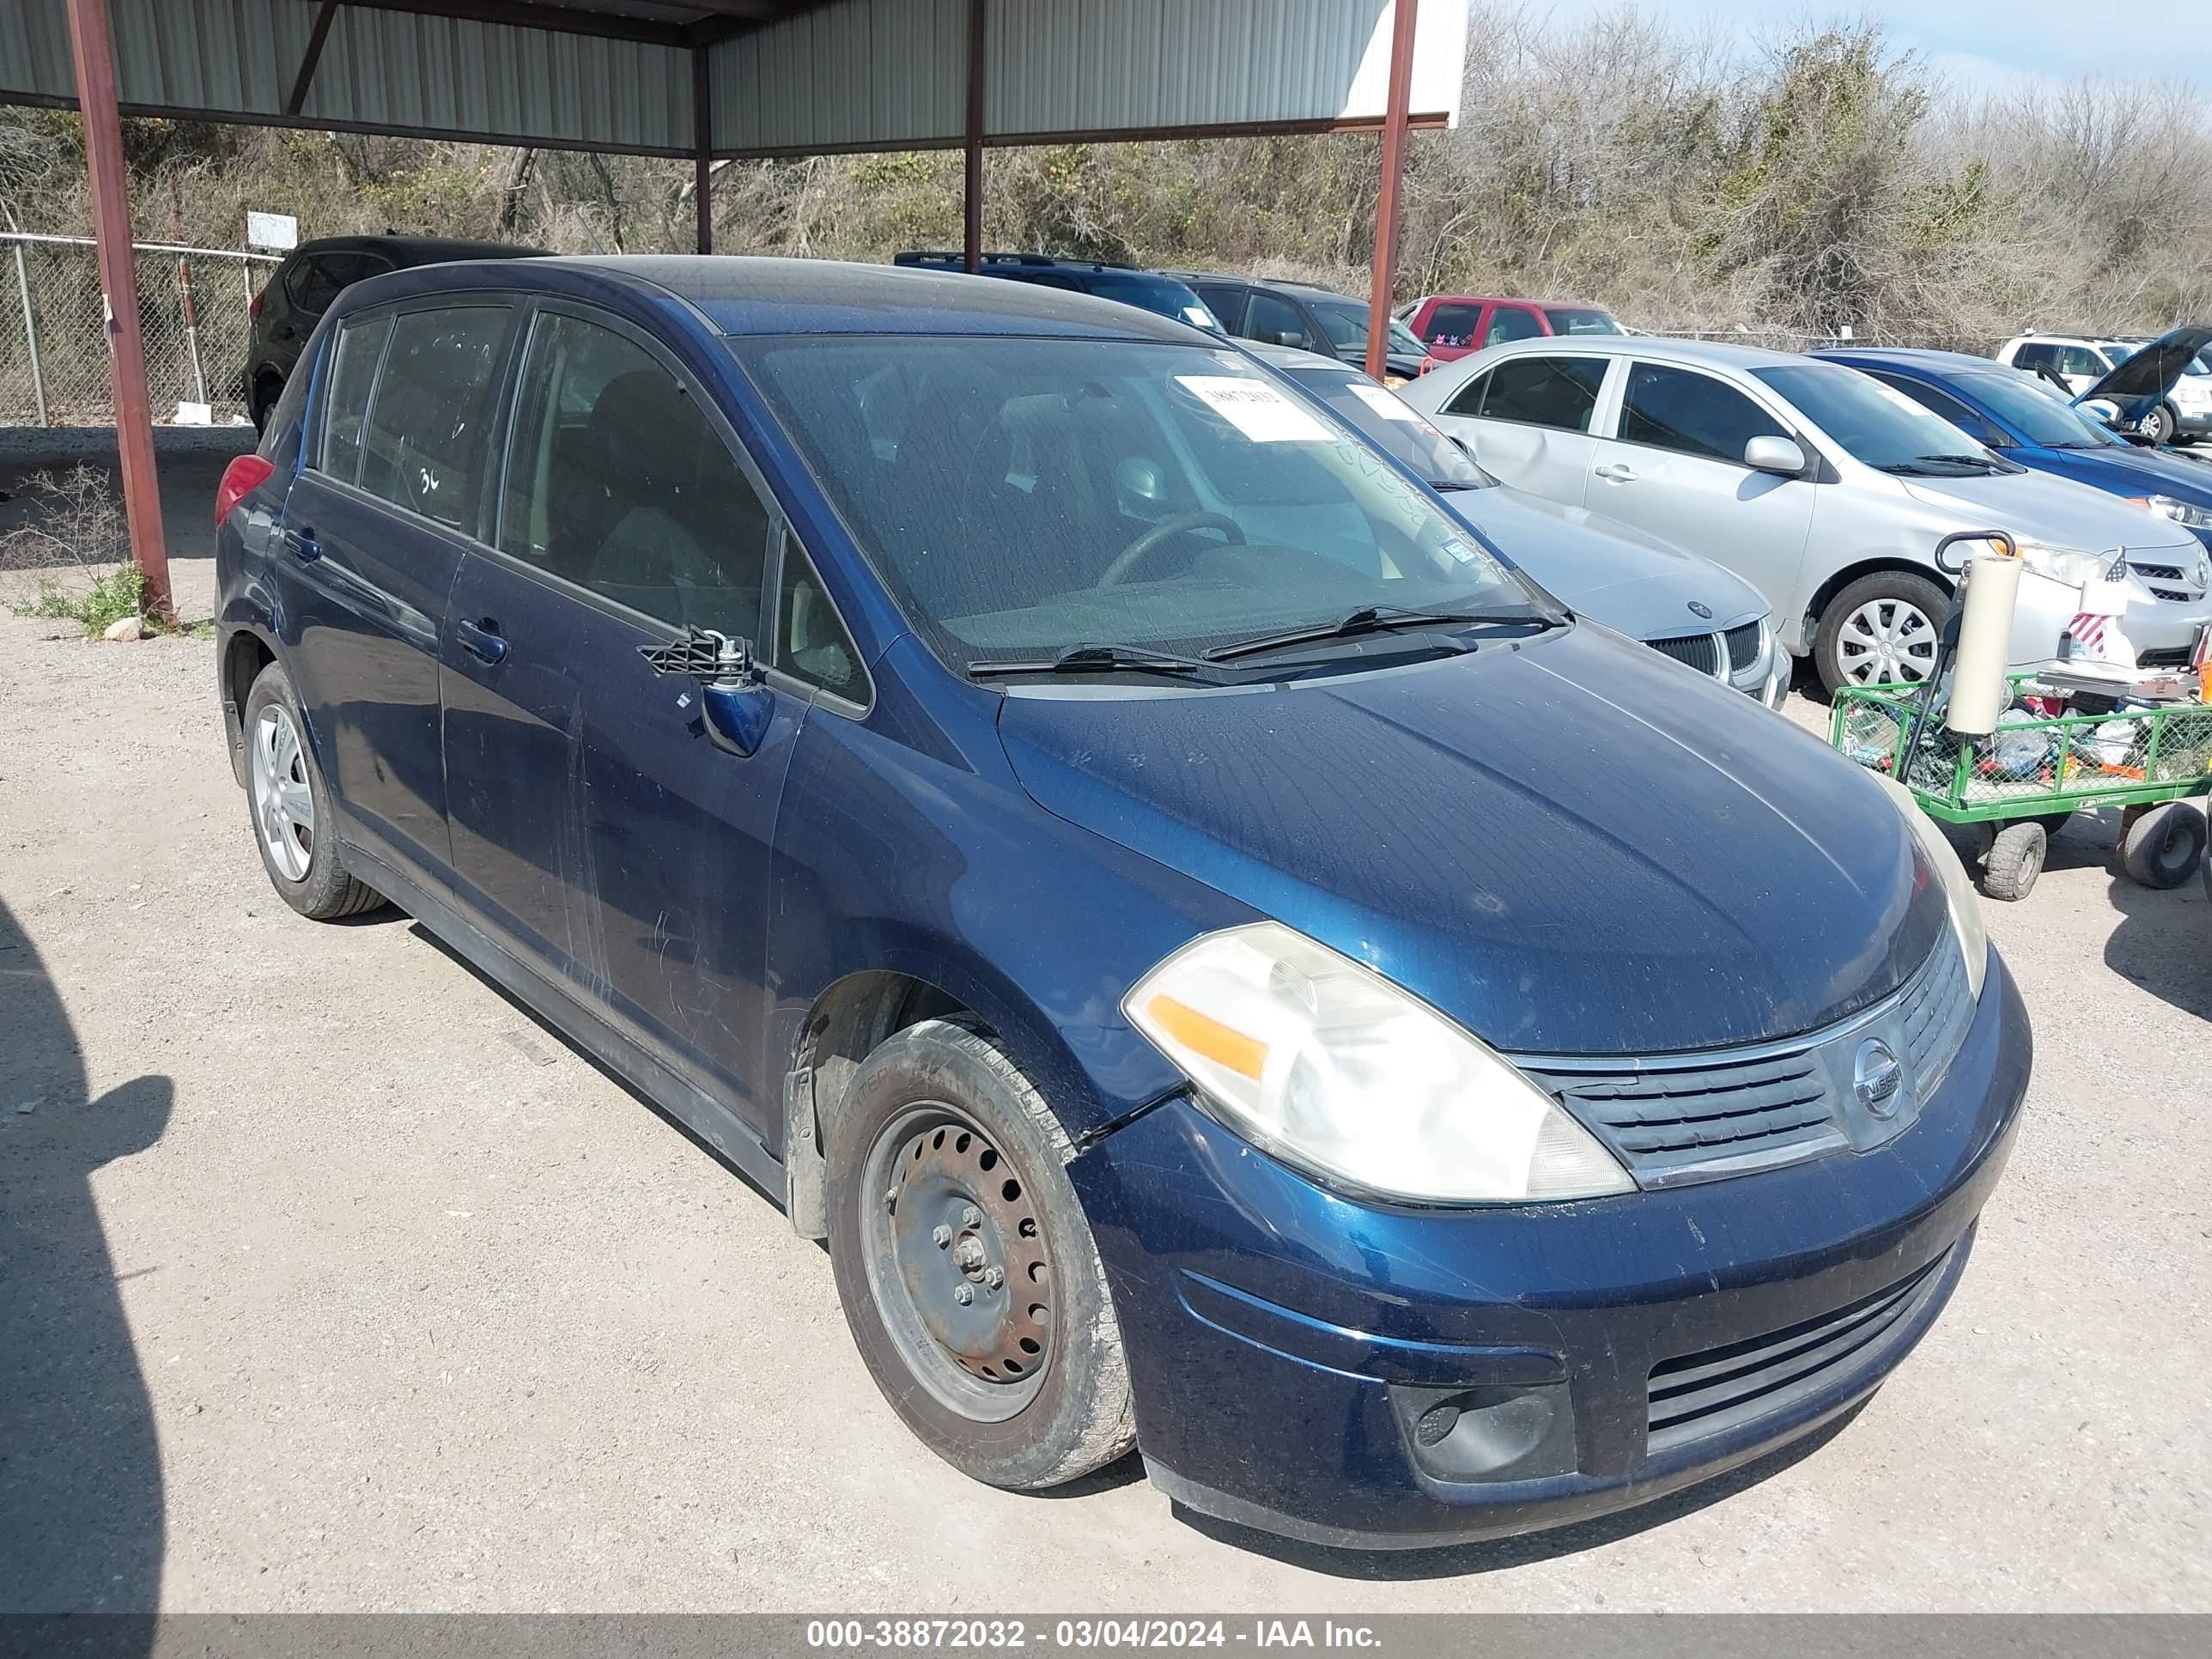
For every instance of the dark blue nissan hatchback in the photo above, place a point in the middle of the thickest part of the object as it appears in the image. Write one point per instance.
(1230, 967)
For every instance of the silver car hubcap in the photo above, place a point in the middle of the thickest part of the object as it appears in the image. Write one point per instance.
(1886, 642)
(284, 805)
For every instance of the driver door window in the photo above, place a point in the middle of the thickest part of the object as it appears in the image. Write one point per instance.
(618, 483)
(1270, 320)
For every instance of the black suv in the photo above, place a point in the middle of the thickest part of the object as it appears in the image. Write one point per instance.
(1146, 290)
(1301, 315)
(300, 290)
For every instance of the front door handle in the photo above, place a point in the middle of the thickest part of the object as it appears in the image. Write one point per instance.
(1617, 473)
(481, 641)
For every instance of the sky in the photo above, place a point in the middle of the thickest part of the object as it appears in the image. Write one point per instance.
(1987, 45)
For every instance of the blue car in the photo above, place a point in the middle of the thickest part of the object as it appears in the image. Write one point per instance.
(1232, 969)
(2008, 410)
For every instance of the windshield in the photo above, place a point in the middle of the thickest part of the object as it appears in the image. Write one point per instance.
(2041, 418)
(1879, 426)
(1345, 325)
(1394, 426)
(1021, 497)
(1162, 295)
(1580, 319)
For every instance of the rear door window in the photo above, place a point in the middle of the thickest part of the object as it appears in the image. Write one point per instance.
(1553, 391)
(2036, 356)
(1226, 303)
(1452, 325)
(426, 447)
(1678, 408)
(619, 483)
(1513, 323)
(359, 350)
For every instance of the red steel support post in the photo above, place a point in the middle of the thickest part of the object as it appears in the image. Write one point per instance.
(94, 50)
(1394, 164)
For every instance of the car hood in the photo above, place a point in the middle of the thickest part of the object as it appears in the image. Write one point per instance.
(2036, 507)
(1608, 570)
(2150, 375)
(1573, 846)
(2126, 470)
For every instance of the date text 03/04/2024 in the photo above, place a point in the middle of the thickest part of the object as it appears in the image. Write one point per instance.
(855, 1634)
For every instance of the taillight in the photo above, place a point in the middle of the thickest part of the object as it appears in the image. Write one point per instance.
(239, 479)
(254, 309)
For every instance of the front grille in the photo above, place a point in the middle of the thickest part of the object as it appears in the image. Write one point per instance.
(2172, 595)
(1937, 1011)
(2165, 657)
(1676, 1118)
(1698, 1395)
(1699, 651)
(1659, 1121)
(2160, 573)
(1742, 647)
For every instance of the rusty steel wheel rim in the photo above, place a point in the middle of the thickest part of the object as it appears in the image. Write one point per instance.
(954, 1253)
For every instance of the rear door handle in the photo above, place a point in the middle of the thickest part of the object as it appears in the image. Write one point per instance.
(302, 544)
(1616, 472)
(481, 641)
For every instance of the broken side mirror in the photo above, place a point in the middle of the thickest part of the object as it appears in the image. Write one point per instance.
(734, 707)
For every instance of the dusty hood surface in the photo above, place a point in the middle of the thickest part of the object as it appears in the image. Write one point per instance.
(2037, 507)
(1577, 847)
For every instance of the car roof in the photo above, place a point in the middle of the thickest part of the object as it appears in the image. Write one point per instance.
(1288, 357)
(420, 250)
(1928, 361)
(1275, 284)
(744, 295)
(1507, 299)
(1658, 348)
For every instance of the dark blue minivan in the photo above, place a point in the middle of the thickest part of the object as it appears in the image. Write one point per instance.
(1231, 968)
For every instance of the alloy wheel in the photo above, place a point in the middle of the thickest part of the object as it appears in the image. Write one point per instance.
(1886, 642)
(284, 805)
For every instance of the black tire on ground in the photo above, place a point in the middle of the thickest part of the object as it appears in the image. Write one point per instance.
(266, 391)
(2015, 860)
(1832, 651)
(2164, 846)
(326, 890)
(2160, 424)
(924, 1092)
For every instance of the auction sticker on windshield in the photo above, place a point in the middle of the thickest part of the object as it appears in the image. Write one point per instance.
(1255, 408)
(1389, 407)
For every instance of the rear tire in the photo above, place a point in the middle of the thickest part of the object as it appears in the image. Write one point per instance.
(2015, 861)
(289, 807)
(947, 1175)
(1881, 630)
(2164, 846)
(266, 391)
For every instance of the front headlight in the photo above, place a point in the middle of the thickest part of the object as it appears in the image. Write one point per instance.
(2065, 564)
(2181, 512)
(1331, 1066)
(1965, 904)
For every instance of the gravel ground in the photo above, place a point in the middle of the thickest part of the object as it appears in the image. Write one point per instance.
(330, 1280)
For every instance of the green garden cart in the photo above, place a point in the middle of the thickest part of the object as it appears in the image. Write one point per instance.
(2004, 796)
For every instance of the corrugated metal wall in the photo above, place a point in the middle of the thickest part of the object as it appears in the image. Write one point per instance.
(379, 68)
(863, 73)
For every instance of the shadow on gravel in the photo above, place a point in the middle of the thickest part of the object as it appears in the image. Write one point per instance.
(2164, 943)
(81, 1515)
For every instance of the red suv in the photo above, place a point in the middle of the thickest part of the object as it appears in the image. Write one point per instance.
(1453, 325)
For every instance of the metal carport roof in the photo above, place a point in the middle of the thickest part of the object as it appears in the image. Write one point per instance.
(708, 79)
(780, 76)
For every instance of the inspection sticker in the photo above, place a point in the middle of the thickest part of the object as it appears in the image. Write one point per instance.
(1389, 407)
(1255, 408)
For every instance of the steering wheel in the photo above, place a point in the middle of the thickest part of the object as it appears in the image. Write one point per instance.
(1160, 535)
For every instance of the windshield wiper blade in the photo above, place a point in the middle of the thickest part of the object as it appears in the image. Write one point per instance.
(1368, 619)
(1098, 660)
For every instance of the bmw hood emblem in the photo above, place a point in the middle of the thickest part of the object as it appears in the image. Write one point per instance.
(1704, 611)
(1877, 1077)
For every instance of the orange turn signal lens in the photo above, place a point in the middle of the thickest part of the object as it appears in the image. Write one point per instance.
(1202, 1034)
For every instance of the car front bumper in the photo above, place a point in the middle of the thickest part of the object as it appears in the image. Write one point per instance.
(1379, 1377)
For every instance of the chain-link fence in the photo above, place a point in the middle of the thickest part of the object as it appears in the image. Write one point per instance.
(193, 314)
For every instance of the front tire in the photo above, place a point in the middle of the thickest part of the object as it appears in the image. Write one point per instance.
(947, 1176)
(266, 391)
(1881, 630)
(290, 808)
(2015, 861)
(2160, 424)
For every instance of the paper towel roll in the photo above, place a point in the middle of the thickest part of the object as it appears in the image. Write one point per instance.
(1979, 691)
